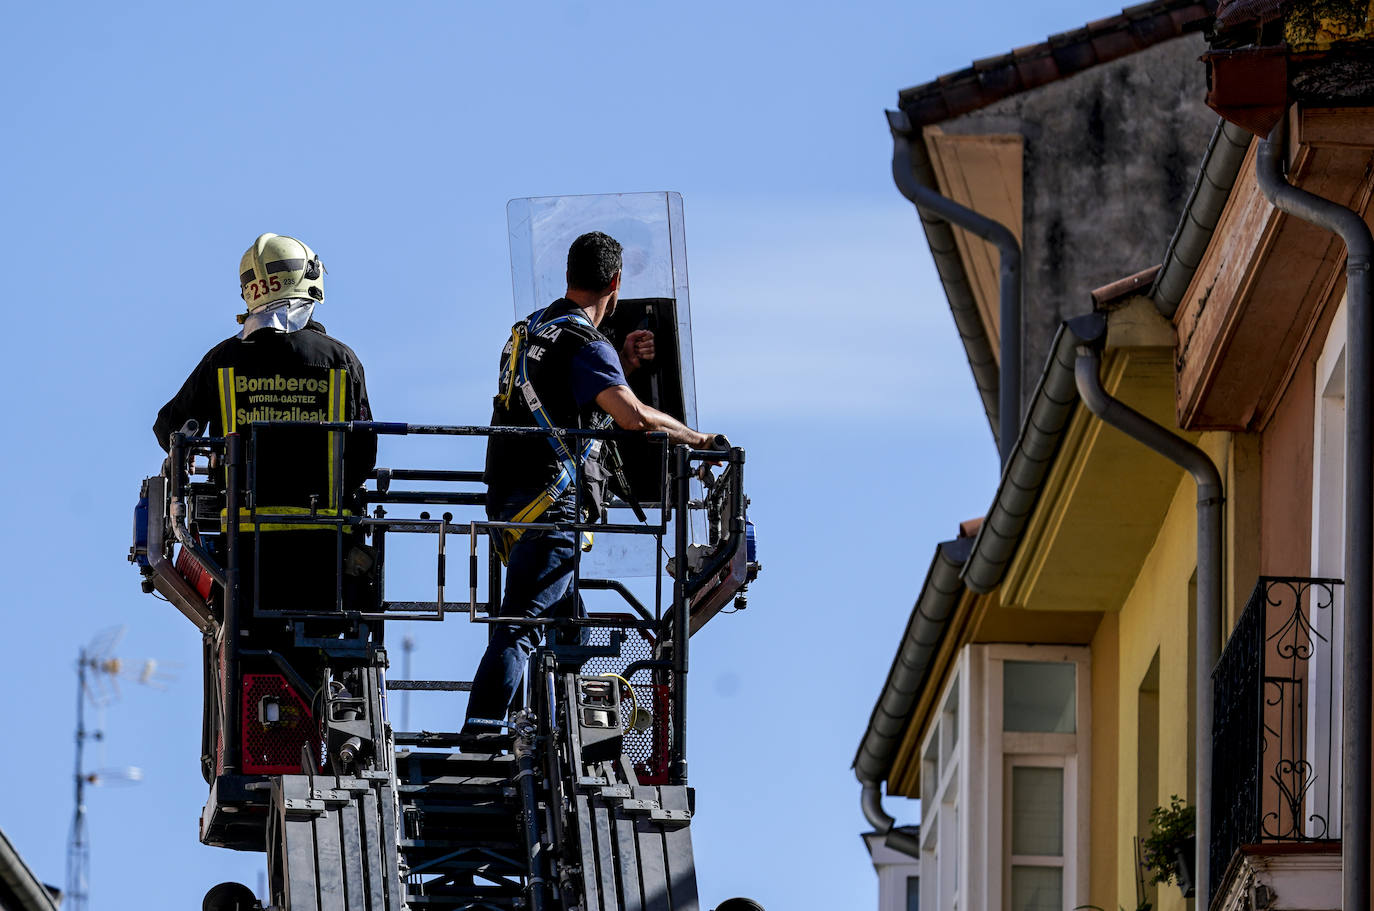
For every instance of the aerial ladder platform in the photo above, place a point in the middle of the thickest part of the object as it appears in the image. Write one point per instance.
(580, 800)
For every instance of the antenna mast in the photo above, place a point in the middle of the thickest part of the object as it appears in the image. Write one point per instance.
(97, 673)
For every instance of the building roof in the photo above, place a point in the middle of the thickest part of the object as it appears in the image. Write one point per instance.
(1235, 13)
(20, 890)
(994, 78)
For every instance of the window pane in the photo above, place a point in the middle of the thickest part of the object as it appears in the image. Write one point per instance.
(1038, 696)
(949, 727)
(913, 893)
(1037, 889)
(1037, 811)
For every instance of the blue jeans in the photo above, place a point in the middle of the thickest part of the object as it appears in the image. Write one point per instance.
(539, 576)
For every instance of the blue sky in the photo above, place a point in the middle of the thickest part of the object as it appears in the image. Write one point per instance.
(147, 144)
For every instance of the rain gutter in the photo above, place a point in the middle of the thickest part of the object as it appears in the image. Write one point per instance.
(1135, 425)
(1220, 167)
(973, 563)
(915, 178)
(1359, 503)
(924, 631)
(1029, 462)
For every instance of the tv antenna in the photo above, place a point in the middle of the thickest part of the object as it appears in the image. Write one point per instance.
(98, 672)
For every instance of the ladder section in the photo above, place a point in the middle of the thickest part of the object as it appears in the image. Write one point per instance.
(636, 850)
(462, 842)
(331, 843)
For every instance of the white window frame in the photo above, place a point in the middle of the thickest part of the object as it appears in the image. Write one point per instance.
(944, 793)
(965, 827)
(1328, 561)
(1069, 801)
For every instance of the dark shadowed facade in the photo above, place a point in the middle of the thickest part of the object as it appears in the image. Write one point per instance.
(1090, 170)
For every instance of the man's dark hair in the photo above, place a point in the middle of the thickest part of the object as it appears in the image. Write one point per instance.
(593, 260)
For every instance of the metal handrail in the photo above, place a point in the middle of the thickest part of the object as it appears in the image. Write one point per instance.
(671, 626)
(1264, 766)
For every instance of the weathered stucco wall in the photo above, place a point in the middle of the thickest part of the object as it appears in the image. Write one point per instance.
(1110, 155)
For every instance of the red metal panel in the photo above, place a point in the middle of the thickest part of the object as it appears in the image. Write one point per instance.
(194, 573)
(274, 748)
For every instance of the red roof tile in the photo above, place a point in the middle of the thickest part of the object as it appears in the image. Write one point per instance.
(993, 78)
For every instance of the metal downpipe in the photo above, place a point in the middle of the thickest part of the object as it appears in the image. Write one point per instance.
(1087, 370)
(1359, 503)
(883, 824)
(933, 204)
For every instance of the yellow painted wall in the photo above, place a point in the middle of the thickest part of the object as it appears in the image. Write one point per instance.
(1102, 872)
(1155, 618)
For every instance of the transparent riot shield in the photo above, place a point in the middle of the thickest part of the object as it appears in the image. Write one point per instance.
(653, 295)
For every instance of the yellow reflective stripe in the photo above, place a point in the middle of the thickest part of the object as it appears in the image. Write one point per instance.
(334, 412)
(246, 522)
(228, 410)
(517, 333)
(288, 511)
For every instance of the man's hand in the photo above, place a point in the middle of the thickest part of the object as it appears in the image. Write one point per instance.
(712, 441)
(637, 350)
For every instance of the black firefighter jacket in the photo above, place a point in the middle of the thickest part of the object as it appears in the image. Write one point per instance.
(279, 376)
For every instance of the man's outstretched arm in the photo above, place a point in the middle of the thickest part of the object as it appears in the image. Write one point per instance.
(629, 413)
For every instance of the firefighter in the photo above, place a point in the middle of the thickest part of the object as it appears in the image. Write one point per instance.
(282, 366)
(557, 371)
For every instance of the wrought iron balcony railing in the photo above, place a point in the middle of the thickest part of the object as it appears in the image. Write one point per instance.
(1275, 711)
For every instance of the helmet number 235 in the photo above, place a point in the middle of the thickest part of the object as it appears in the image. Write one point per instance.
(260, 287)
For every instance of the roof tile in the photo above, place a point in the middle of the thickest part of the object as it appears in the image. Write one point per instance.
(1037, 71)
(993, 78)
(1233, 13)
(1111, 45)
(1104, 25)
(1075, 57)
(990, 63)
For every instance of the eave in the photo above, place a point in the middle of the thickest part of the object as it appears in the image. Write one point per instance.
(1258, 293)
(1105, 497)
(1080, 544)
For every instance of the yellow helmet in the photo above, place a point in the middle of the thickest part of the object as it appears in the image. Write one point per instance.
(276, 267)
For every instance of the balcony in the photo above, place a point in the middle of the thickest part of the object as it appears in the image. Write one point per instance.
(1274, 781)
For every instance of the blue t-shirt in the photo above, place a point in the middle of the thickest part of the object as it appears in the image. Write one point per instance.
(595, 368)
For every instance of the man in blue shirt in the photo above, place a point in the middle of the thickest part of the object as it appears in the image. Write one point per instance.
(558, 370)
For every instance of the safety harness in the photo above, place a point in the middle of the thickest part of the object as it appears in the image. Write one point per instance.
(515, 379)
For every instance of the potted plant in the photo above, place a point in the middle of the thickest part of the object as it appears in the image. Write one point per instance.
(1167, 853)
